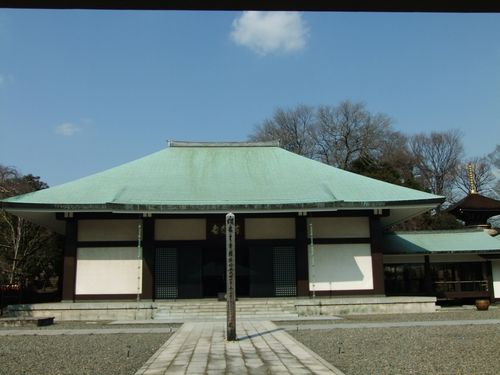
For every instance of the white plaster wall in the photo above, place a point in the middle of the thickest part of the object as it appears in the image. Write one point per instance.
(108, 270)
(451, 258)
(495, 267)
(180, 229)
(108, 230)
(339, 227)
(340, 267)
(394, 259)
(270, 228)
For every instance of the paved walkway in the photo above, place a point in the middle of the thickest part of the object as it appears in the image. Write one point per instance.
(262, 348)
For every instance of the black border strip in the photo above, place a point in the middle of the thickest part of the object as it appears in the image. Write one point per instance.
(297, 5)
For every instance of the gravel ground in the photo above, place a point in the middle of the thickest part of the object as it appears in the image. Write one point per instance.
(87, 354)
(420, 350)
(409, 350)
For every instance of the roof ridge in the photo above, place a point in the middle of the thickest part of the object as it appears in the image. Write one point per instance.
(172, 143)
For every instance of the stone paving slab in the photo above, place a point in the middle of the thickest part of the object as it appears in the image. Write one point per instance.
(261, 348)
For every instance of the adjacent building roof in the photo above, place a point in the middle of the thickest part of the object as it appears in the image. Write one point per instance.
(476, 202)
(449, 241)
(218, 177)
(475, 209)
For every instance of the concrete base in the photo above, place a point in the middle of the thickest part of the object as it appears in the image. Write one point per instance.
(21, 322)
(85, 311)
(365, 305)
(185, 310)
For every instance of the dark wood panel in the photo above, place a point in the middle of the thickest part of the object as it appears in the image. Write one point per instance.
(189, 272)
(106, 297)
(333, 293)
(346, 213)
(261, 274)
(182, 243)
(459, 295)
(340, 241)
(270, 243)
(100, 216)
(106, 244)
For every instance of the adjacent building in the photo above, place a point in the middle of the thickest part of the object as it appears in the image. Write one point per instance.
(451, 264)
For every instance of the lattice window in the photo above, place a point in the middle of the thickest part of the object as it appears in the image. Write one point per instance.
(285, 283)
(166, 285)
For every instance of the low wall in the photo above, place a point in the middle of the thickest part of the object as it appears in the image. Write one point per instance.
(303, 307)
(365, 305)
(85, 311)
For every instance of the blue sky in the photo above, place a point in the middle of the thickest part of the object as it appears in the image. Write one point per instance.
(83, 91)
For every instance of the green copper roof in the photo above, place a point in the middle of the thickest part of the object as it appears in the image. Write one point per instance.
(205, 177)
(450, 241)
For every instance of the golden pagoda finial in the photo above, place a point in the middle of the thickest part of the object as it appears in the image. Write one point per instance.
(471, 178)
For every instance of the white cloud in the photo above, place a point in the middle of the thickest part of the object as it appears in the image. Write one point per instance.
(6, 79)
(67, 129)
(270, 32)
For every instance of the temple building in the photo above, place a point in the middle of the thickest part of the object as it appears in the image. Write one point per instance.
(154, 228)
(475, 209)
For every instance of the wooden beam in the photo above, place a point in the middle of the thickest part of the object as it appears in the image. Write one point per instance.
(301, 256)
(377, 256)
(148, 256)
(69, 262)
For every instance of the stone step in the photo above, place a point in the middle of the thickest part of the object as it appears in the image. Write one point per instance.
(222, 304)
(180, 318)
(176, 313)
(249, 307)
(260, 313)
(208, 310)
(215, 303)
(180, 308)
(224, 307)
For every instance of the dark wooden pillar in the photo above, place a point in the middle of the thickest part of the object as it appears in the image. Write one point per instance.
(428, 277)
(69, 262)
(148, 256)
(302, 263)
(377, 255)
(488, 275)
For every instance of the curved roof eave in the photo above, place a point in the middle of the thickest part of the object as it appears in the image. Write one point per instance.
(207, 207)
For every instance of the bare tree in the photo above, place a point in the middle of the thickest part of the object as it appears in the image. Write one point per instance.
(27, 251)
(8, 176)
(292, 127)
(347, 136)
(482, 177)
(494, 157)
(437, 159)
(348, 132)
